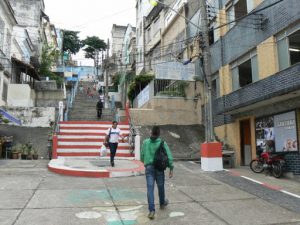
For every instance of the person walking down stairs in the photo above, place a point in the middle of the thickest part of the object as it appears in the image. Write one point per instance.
(112, 138)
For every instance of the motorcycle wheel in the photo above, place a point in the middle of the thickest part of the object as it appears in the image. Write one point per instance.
(277, 170)
(257, 166)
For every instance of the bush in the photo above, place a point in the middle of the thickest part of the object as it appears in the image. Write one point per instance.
(138, 84)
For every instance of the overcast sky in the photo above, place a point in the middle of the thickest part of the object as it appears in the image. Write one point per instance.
(90, 17)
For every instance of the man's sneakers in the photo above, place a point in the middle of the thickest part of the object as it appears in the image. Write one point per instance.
(165, 204)
(151, 215)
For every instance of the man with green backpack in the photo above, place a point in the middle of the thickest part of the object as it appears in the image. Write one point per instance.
(156, 157)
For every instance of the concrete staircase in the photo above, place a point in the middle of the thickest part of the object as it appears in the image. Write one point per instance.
(85, 138)
(84, 107)
(76, 148)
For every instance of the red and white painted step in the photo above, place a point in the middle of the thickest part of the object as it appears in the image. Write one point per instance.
(85, 138)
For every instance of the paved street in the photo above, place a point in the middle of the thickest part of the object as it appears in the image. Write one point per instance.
(31, 195)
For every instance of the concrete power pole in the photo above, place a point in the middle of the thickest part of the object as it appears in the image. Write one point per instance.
(107, 69)
(207, 72)
(211, 151)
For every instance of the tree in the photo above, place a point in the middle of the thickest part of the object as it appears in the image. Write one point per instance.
(94, 46)
(48, 59)
(71, 41)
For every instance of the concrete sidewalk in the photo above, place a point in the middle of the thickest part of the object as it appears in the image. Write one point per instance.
(31, 195)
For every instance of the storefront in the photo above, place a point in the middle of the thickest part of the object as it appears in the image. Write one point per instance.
(280, 133)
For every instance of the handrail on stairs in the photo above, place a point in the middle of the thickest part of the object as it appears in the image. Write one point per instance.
(70, 100)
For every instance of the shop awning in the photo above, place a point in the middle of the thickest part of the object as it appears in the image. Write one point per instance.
(26, 68)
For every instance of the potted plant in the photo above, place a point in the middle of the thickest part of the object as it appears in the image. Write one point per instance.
(35, 155)
(24, 152)
(29, 150)
(16, 150)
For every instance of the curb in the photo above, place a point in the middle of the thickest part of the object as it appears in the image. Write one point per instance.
(57, 166)
(271, 187)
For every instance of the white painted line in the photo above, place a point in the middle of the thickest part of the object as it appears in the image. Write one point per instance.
(255, 181)
(192, 162)
(289, 193)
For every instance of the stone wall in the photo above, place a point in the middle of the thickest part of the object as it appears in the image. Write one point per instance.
(167, 111)
(33, 116)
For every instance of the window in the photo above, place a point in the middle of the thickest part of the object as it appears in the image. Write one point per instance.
(214, 34)
(8, 43)
(141, 30)
(156, 26)
(215, 87)
(288, 48)
(237, 9)
(148, 35)
(4, 91)
(244, 71)
(1, 34)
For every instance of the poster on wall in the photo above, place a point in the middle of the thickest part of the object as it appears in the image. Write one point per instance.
(265, 134)
(286, 133)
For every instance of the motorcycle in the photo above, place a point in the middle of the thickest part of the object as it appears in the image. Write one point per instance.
(268, 161)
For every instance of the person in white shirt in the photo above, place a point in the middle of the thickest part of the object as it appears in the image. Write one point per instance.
(112, 135)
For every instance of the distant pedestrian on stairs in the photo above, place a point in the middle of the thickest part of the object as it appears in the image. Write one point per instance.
(112, 137)
(101, 96)
(99, 108)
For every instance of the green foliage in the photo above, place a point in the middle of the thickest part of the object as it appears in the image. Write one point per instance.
(71, 41)
(48, 59)
(94, 45)
(3, 120)
(138, 84)
(116, 79)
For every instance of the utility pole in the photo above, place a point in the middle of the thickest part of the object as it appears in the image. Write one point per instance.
(211, 151)
(97, 64)
(107, 69)
(209, 134)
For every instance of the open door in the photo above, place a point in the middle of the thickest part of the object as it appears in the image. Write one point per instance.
(245, 132)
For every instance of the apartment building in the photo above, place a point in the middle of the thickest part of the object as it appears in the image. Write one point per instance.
(256, 65)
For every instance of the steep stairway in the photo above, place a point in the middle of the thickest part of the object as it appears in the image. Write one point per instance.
(84, 107)
(76, 147)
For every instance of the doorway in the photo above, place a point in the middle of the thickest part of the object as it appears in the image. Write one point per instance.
(245, 134)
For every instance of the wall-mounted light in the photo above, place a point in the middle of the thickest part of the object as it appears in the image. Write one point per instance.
(294, 50)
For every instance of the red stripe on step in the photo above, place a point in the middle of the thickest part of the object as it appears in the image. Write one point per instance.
(88, 128)
(89, 147)
(81, 140)
(77, 133)
(92, 122)
(91, 154)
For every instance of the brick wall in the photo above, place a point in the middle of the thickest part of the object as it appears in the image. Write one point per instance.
(293, 163)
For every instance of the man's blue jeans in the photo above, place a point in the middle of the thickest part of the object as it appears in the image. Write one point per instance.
(153, 175)
(113, 149)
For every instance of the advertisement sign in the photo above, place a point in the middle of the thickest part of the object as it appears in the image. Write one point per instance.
(285, 130)
(277, 133)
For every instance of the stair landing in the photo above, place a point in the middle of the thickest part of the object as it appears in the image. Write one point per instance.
(77, 151)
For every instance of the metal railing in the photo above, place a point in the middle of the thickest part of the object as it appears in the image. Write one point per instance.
(171, 88)
(70, 100)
